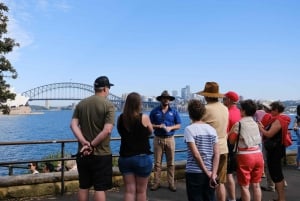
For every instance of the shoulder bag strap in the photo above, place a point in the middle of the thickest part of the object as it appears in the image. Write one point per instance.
(238, 138)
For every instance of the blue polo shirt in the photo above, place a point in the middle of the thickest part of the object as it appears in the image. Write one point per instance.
(170, 118)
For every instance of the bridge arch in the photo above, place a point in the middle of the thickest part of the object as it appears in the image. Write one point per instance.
(66, 91)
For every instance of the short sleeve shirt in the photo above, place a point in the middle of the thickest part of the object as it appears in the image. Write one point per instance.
(93, 113)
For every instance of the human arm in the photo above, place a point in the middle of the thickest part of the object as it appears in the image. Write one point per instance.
(197, 156)
(106, 131)
(274, 128)
(75, 127)
(174, 127)
(147, 123)
(233, 134)
(216, 159)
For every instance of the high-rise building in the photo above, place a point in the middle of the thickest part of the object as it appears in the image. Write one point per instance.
(186, 93)
(174, 93)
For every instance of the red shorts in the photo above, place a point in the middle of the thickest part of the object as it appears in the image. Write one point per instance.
(249, 168)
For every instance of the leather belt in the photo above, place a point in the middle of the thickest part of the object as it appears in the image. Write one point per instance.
(164, 136)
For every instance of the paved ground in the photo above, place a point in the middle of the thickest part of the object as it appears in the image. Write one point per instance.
(163, 194)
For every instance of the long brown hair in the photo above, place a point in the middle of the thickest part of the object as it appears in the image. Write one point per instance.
(132, 110)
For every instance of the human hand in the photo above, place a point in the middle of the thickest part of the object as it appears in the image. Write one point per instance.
(213, 182)
(86, 150)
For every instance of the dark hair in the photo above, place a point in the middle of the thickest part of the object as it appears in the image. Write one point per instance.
(277, 105)
(132, 109)
(259, 105)
(249, 106)
(49, 166)
(196, 109)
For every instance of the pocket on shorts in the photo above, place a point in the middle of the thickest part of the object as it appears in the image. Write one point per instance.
(144, 161)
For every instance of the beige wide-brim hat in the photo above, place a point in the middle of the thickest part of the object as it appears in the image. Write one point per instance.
(211, 90)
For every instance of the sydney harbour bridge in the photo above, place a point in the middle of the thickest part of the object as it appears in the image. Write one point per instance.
(73, 91)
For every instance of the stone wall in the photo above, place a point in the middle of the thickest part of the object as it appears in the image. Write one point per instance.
(43, 184)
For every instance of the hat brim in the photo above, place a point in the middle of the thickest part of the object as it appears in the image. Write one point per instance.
(211, 95)
(171, 98)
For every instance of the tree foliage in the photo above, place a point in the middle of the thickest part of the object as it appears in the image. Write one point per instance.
(6, 69)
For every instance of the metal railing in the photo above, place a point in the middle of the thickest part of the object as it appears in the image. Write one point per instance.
(11, 165)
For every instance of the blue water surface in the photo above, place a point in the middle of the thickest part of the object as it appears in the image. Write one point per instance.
(55, 125)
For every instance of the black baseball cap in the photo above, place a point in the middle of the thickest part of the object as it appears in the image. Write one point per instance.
(102, 81)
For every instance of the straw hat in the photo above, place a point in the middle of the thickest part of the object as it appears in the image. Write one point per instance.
(211, 90)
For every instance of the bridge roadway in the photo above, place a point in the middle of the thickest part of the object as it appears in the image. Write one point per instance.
(292, 176)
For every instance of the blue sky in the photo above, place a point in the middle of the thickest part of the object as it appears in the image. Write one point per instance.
(248, 46)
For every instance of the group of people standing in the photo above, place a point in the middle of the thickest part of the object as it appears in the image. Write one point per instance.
(220, 133)
(92, 123)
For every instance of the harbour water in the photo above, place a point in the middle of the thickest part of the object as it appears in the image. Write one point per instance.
(55, 125)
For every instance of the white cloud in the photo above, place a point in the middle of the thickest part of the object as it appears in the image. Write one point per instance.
(17, 16)
(63, 6)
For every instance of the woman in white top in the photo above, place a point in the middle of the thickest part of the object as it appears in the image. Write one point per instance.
(250, 163)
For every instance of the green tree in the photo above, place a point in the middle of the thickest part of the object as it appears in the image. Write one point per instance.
(6, 69)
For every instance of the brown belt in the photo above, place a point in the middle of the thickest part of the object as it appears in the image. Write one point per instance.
(164, 136)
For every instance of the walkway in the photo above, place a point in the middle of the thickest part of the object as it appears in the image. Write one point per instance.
(163, 194)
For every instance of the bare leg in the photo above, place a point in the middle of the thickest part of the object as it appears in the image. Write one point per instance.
(99, 196)
(230, 187)
(141, 188)
(221, 192)
(280, 190)
(83, 195)
(245, 193)
(130, 187)
(256, 192)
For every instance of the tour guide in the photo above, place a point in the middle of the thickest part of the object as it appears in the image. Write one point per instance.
(165, 121)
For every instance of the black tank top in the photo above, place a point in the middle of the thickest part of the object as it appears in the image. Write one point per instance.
(135, 141)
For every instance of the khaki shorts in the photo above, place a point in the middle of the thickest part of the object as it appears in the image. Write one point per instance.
(222, 169)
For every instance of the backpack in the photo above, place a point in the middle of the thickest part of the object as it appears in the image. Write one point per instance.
(287, 139)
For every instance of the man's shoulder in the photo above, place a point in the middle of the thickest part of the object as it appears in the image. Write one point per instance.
(216, 105)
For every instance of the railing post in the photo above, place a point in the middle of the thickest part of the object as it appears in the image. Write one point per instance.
(10, 170)
(62, 190)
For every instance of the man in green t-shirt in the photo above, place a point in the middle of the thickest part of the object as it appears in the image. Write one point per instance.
(92, 123)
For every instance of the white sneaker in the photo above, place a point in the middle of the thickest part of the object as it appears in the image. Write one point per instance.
(298, 168)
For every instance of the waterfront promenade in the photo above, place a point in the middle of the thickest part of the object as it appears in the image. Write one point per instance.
(163, 194)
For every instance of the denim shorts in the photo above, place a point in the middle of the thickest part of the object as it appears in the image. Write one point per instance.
(139, 165)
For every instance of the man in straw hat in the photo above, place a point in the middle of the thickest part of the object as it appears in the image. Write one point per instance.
(217, 116)
(165, 121)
